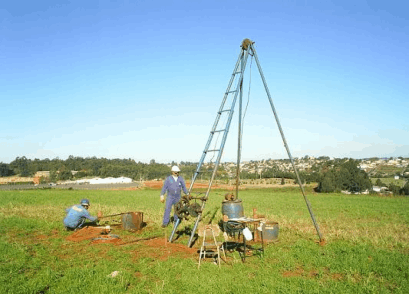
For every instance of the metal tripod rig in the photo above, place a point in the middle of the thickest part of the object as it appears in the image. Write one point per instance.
(233, 93)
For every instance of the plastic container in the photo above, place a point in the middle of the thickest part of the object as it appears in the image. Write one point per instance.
(247, 234)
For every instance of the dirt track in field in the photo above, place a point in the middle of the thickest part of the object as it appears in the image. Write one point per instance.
(159, 184)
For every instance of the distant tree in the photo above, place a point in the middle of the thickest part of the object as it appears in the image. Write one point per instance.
(5, 170)
(64, 175)
(246, 175)
(344, 175)
(80, 174)
(271, 172)
(405, 189)
(379, 183)
(354, 179)
(328, 183)
(282, 181)
(96, 165)
(53, 176)
(21, 166)
(394, 189)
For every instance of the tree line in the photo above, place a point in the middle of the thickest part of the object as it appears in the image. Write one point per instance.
(88, 167)
(332, 175)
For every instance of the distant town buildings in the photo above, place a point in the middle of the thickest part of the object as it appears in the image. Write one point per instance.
(306, 164)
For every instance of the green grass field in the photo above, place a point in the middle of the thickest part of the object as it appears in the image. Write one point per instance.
(387, 181)
(366, 251)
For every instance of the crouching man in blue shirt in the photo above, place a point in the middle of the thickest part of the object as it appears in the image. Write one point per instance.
(77, 214)
(173, 185)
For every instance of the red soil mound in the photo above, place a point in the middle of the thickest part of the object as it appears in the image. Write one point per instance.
(86, 233)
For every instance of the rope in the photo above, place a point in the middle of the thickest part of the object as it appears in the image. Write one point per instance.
(245, 110)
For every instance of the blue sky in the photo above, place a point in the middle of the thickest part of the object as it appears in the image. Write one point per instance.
(144, 79)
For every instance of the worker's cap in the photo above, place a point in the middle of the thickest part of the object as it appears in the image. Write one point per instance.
(84, 202)
(175, 168)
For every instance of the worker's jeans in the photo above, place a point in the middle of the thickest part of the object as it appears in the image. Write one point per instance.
(170, 200)
(82, 224)
(79, 225)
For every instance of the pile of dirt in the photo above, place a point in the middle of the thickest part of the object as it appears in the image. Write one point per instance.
(86, 233)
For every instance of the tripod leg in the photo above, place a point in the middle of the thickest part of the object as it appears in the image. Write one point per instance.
(194, 230)
(174, 230)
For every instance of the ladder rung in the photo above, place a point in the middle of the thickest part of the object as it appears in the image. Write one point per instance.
(214, 150)
(237, 72)
(220, 112)
(218, 131)
(231, 91)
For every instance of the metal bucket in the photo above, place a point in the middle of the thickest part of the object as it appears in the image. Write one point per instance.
(132, 221)
(232, 209)
(270, 231)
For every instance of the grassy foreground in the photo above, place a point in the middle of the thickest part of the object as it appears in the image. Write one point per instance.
(366, 251)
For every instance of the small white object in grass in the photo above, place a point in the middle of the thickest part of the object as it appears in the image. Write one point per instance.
(113, 274)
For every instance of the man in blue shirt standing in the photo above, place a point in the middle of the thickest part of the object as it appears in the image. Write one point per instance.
(77, 214)
(173, 185)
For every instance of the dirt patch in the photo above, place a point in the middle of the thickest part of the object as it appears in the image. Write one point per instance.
(159, 248)
(296, 273)
(229, 187)
(159, 184)
(127, 189)
(153, 184)
(321, 242)
(107, 239)
(300, 272)
(86, 233)
(337, 277)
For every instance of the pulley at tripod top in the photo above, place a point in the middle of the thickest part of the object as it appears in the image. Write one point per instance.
(246, 43)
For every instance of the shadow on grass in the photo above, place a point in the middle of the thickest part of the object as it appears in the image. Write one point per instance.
(186, 231)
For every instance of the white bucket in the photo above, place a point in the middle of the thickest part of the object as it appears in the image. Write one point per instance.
(247, 234)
